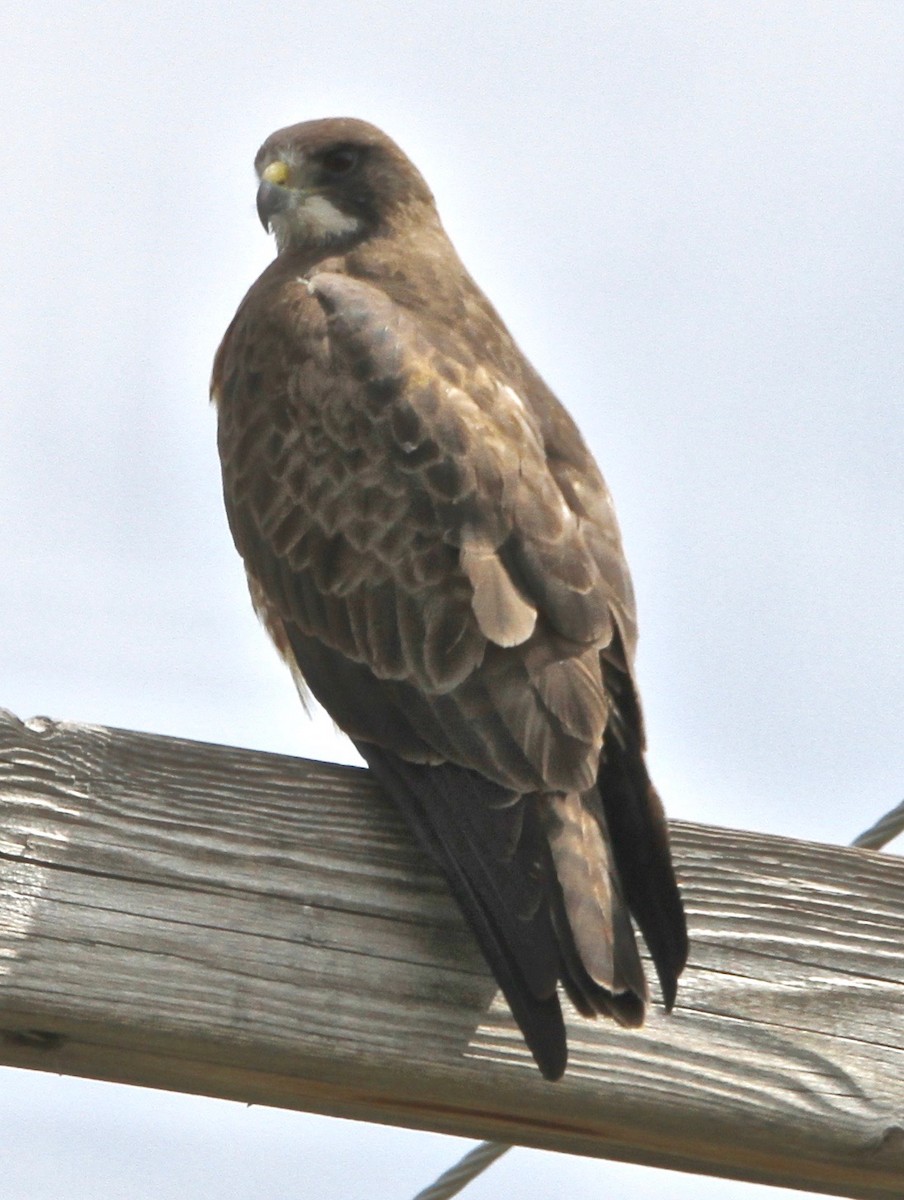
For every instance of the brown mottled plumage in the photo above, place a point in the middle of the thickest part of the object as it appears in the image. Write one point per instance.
(435, 554)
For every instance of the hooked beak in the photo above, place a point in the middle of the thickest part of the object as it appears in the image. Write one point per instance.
(272, 198)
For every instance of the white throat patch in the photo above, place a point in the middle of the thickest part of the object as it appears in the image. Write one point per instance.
(323, 220)
(316, 221)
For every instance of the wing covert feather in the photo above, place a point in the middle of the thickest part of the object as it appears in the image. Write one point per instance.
(396, 503)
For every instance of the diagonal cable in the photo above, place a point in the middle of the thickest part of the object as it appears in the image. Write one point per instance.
(883, 831)
(452, 1181)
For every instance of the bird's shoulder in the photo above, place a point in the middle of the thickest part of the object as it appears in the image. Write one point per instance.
(277, 324)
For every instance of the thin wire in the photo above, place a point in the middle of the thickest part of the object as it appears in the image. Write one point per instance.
(883, 831)
(467, 1169)
(451, 1182)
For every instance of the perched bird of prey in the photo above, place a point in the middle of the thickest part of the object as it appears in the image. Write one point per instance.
(435, 554)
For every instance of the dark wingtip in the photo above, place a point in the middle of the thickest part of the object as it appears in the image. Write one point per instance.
(552, 1069)
(436, 801)
(670, 959)
(542, 1028)
(669, 992)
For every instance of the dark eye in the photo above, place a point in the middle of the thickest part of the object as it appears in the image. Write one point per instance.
(339, 161)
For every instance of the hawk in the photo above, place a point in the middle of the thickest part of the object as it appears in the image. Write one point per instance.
(435, 554)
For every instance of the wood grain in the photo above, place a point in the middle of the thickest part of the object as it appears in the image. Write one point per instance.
(213, 920)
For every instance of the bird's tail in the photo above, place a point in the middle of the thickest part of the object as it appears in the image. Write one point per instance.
(601, 968)
(536, 879)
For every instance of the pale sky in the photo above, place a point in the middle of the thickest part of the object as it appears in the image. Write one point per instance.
(690, 214)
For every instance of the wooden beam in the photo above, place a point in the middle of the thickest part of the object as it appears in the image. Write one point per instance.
(237, 924)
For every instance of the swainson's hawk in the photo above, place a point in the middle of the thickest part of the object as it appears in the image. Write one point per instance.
(435, 554)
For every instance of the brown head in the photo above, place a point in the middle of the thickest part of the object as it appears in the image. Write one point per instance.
(332, 183)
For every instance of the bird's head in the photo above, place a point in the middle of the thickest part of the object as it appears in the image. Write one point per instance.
(327, 185)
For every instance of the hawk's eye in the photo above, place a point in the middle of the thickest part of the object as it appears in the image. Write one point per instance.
(339, 161)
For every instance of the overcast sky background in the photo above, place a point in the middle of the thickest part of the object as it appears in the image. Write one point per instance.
(690, 214)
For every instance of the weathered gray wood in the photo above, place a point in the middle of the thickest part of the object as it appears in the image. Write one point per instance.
(218, 921)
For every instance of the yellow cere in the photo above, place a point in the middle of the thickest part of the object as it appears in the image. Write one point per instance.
(276, 172)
